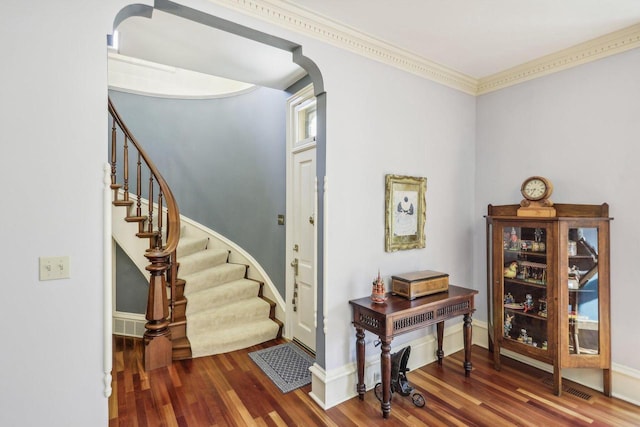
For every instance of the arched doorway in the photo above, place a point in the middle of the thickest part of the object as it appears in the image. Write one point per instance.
(295, 52)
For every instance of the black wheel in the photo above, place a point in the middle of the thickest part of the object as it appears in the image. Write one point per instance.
(418, 400)
(378, 392)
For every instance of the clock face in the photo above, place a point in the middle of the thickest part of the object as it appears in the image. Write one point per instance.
(535, 188)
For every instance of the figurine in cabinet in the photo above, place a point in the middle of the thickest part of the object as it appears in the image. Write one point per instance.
(542, 309)
(528, 303)
(507, 324)
(523, 336)
(513, 239)
(511, 271)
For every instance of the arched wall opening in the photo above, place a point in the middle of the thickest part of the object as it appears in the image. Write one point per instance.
(316, 78)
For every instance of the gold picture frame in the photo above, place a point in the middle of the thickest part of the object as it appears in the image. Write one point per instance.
(406, 212)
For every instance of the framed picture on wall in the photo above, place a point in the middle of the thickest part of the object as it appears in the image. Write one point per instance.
(405, 212)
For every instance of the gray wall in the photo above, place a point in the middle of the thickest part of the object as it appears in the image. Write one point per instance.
(224, 160)
(132, 286)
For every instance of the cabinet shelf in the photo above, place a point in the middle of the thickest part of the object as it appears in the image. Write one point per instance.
(568, 325)
(529, 346)
(528, 253)
(577, 257)
(526, 283)
(525, 314)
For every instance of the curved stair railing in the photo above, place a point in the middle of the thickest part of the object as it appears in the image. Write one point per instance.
(160, 224)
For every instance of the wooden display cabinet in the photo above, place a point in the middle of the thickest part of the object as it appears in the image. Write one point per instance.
(548, 287)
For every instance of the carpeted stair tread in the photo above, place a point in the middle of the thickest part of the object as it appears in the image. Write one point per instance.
(214, 276)
(190, 245)
(223, 340)
(202, 260)
(223, 309)
(229, 315)
(222, 294)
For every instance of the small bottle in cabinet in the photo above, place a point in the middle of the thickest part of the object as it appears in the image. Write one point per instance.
(548, 287)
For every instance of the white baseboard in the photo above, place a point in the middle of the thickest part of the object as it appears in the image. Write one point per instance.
(334, 387)
(129, 324)
(338, 385)
(626, 381)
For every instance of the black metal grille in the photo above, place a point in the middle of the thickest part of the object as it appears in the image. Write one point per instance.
(569, 389)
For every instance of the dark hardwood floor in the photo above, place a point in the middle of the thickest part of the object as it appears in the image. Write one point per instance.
(230, 390)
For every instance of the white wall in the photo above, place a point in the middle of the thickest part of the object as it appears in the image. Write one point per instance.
(581, 129)
(53, 117)
(382, 121)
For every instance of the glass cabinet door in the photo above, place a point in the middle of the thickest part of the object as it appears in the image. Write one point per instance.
(583, 291)
(525, 286)
(549, 281)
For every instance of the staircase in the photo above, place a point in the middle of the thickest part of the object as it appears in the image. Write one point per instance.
(225, 309)
(219, 294)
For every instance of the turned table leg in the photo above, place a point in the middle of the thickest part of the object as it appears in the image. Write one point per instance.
(440, 335)
(467, 344)
(361, 387)
(385, 367)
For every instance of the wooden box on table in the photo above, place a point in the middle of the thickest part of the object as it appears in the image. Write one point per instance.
(419, 283)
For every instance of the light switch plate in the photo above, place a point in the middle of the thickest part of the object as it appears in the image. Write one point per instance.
(52, 268)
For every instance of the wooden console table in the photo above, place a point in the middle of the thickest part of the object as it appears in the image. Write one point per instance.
(399, 315)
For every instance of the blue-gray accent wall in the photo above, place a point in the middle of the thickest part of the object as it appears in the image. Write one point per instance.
(132, 287)
(224, 159)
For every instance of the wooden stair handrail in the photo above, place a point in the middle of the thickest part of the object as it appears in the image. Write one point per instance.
(163, 267)
(173, 213)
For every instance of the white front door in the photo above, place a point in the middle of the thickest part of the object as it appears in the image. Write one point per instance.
(304, 247)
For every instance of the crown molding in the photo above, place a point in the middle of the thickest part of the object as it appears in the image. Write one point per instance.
(598, 48)
(286, 15)
(320, 28)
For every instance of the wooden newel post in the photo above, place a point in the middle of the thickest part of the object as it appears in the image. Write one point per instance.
(157, 338)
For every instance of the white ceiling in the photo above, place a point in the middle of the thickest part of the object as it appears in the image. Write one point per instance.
(475, 37)
(174, 41)
(479, 37)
